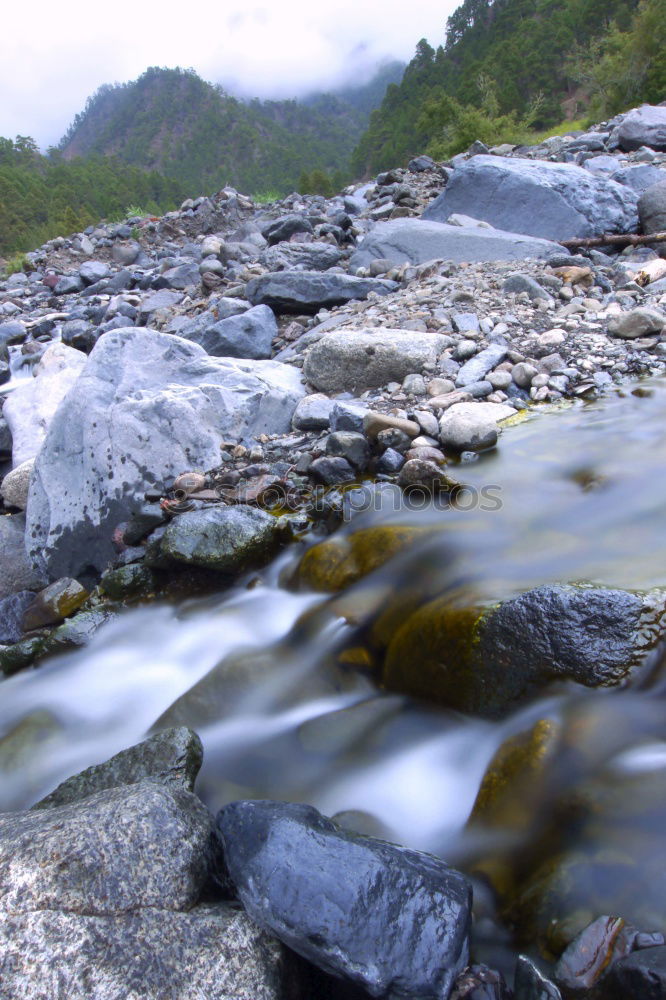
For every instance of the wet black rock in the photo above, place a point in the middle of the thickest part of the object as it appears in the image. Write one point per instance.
(641, 975)
(392, 920)
(172, 757)
(285, 227)
(480, 983)
(530, 984)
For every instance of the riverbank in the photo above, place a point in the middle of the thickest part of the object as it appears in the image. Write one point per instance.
(251, 374)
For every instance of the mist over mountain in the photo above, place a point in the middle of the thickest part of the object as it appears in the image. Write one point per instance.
(192, 131)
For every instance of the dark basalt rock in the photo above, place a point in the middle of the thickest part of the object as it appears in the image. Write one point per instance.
(392, 920)
(485, 660)
(641, 975)
(309, 291)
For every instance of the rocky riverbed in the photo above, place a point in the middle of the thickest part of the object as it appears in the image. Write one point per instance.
(184, 396)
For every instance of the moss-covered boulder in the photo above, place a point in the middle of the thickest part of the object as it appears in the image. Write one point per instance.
(225, 539)
(486, 660)
(134, 580)
(337, 563)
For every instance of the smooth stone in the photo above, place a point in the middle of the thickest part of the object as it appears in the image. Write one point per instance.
(309, 256)
(644, 126)
(93, 271)
(472, 426)
(59, 600)
(641, 975)
(12, 609)
(249, 334)
(478, 367)
(639, 322)
(296, 872)
(530, 984)
(285, 227)
(16, 570)
(313, 413)
(15, 485)
(332, 471)
(652, 208)
(374, 423)
(351, 446)
(416, 241)
(355, 360)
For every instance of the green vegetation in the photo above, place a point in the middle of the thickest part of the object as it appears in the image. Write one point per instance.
(193, 132)
(44, 196)
(19, 262)
(265, 197)
(538, 61)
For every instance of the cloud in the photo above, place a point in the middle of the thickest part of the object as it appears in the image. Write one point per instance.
(54, 56)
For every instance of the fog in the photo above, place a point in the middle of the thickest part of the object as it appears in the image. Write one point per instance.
(54, 56)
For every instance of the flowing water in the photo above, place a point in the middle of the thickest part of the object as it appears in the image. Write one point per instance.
(576, 493)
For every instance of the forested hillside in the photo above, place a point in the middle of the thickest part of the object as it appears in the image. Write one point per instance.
(535, 61)
(192, 131)
(42, 197)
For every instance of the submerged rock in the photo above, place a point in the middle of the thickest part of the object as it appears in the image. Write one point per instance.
(392, 920)
(486, 660)
(338, 562)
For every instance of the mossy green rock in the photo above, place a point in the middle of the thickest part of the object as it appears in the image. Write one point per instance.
(226, 539)
(20, 655)
(128, 581)
(337, 563)
(486, 660)
(57, 601)
(76, 631)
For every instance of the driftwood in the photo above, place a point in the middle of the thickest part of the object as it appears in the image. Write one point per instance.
(626, 239)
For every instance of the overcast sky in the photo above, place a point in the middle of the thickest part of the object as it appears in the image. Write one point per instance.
(55, 53)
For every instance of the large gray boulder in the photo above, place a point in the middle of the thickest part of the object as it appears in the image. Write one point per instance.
(139, 845)
(415, 242)
(555, 201)
(309, 256)
(16, 570)
(644, 126)
(652, 208)
(247, 335)
(354, 360)
(394, 921)
(30, 409)
(147, 407)
(309, 291)
(214, 952)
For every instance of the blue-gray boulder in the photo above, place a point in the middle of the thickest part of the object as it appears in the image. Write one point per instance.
(394, 921)
(644, 126)
(555, 201)
(146, 407)
(415, 242)
(309, 291)
(248, 335)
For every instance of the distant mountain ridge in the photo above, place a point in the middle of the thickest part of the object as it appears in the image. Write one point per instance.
(192, 131)
(507, 57)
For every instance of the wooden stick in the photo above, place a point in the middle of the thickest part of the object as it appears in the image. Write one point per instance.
(628, 239)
